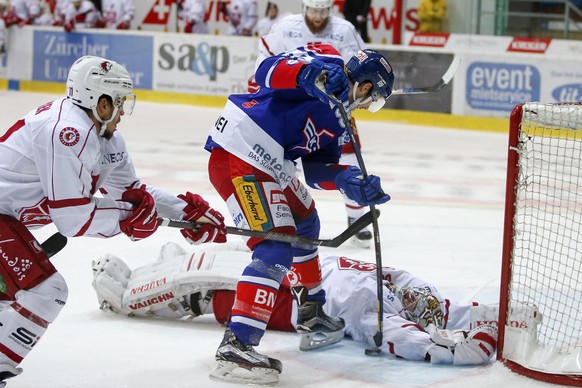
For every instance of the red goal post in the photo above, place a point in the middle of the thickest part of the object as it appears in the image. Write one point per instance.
(541, 277)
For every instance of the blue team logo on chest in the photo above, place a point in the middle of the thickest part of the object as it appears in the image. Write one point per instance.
(113, 157)
(313, 136)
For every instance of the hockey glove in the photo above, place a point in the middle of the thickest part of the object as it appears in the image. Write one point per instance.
(124, 25)
(143, 222)
(461, 348)
(189, 26)
(324, 80)
(198, 210)
(365, 191)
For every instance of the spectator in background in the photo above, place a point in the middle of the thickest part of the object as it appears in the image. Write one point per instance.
(271, 17)
(432, 15)
(242, 15)
(25, 11)
(193, 13)
(4, 10)
(117, 14)
(356, 12)
(81, 14)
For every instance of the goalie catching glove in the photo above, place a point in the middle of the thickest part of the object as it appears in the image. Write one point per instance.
(459, 347)
(198, 210)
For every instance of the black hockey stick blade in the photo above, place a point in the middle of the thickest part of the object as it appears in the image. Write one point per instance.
(445, 80)
(335, 242)
(54, 244)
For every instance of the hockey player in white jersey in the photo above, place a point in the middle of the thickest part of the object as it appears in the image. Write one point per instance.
(242, 15)
(53, 161)
(117, 14)
(193, 14)
(318, 24)
(419, 323)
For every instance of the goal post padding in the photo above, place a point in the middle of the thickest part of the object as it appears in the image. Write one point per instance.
(541, 276)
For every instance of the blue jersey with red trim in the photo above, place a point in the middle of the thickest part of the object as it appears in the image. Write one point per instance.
(301, 126)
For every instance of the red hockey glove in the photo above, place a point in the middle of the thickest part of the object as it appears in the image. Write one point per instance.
(69, 26)
(188, 27)
(143, 222)
(123, 25)
(198, 210)
(100, 23)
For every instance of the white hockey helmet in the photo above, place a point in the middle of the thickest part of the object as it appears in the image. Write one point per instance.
(318, 3)
(91, 77)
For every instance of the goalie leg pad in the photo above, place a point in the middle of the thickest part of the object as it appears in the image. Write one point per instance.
(110, 278)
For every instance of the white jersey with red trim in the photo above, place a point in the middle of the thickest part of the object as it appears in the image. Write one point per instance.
(291, 32)
(350, 287)
(53, 162)
(117, 11)
(84, 16)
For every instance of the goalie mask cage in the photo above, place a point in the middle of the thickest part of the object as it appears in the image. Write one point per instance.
(540, 315)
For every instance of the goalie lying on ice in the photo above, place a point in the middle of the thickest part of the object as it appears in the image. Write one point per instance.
(419, 324)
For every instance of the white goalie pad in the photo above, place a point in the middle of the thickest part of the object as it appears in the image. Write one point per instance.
(163, 288)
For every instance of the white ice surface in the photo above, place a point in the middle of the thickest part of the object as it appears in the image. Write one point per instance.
(444, 223)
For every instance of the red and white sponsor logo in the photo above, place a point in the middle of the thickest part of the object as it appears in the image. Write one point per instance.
(159, 13)
(249, 104)
(277, 197)
(345, 263)
(69, 136)
(430, 40)
(362, 56)
(529, 45)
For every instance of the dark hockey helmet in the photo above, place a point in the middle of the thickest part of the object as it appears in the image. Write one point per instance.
(371, 66)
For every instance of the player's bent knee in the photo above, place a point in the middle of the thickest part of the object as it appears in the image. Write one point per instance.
(47, 299)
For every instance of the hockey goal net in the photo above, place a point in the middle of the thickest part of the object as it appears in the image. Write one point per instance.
(540, 315)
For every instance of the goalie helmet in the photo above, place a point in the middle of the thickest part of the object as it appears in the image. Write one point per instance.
(91, 77)
(420, 305)
(371, 66)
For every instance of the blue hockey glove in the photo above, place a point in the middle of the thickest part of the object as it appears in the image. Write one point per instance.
(365, 192)
(322, 80)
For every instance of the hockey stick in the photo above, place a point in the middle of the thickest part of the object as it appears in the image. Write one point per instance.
(54, 244)
(445, 80)
(335, 242)
(377, 246)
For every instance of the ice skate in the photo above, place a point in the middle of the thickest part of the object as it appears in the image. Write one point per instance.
(362, 239)
(317, 329)
(6, 372)
(240, 363)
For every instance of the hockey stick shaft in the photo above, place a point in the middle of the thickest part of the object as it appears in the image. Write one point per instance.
(445, 80)
(376, 229)
(335, 242)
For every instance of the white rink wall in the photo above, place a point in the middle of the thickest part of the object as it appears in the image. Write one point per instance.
(495, 74)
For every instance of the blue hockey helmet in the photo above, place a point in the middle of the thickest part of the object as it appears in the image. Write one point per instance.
(371, 66)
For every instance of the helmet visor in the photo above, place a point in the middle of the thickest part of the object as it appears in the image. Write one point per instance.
(377, 102)
(125, 103)
(317, 12)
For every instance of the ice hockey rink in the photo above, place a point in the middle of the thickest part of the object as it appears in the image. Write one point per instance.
(444, 224)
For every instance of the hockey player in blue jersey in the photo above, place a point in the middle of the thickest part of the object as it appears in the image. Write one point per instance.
(253, 146)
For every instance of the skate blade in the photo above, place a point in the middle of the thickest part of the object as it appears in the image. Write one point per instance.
(360, 243)
(232, 372)
(310, 341)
